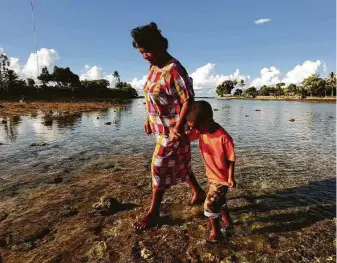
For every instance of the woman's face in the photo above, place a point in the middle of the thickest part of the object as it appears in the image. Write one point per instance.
(150, 56)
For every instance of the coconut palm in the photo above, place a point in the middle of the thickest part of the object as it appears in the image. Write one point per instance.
(117, 76)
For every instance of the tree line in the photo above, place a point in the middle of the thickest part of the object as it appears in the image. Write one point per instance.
(313, 85)
(62, 83)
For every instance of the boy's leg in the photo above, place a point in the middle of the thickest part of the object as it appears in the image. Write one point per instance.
(227, 220)
(212, 209)
(199, 195)
(152, 215)
(215, 234)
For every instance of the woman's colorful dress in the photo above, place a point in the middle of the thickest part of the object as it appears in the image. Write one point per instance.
(165, 92)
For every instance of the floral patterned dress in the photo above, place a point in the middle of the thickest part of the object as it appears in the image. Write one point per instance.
(165, 92)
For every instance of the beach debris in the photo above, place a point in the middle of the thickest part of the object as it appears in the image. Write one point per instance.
(257, 110)
(97, 251)
(34, 144)
(145, 252)
(108, 123)
(107, 203)
(48, 123)
(291, 120)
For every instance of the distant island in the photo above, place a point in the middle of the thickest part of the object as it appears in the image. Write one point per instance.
(61, 84)
(311, 88)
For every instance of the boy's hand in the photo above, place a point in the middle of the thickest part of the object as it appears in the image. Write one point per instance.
(231, 183)
(147, 127)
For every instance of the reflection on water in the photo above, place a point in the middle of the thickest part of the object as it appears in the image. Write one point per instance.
(267, 143)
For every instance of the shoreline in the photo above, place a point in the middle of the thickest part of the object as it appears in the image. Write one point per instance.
(282, 98)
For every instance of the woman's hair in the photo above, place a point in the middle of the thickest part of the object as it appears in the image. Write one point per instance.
(200, 111)
(148, 37)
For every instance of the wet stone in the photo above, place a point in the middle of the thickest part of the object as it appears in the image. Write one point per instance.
(34, 144)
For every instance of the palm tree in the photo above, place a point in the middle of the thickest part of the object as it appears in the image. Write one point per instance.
(242, 83)
(116, 75)
(332, 81)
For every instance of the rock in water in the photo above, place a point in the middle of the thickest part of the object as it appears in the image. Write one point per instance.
(108, 123)
(38, 144)
(292, 120)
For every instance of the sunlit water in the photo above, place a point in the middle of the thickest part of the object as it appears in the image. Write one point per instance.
(272, 152)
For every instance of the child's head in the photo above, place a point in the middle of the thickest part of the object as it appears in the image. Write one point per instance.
(199, 113)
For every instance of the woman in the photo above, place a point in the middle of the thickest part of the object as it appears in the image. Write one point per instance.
(168, 93)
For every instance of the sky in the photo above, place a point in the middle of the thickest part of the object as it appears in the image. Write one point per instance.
(263, 42)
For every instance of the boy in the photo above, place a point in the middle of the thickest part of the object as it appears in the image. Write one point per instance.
(217, 151)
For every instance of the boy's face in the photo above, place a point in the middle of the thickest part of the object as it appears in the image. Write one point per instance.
(192, 124)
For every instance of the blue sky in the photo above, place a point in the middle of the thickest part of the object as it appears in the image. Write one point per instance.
(199, 32)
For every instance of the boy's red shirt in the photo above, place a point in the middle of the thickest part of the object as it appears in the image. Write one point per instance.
(216, 149)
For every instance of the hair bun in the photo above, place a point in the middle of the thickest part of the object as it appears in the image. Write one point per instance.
(153, 25)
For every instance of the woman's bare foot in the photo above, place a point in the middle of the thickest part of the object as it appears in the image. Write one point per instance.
(198, 198)
(147, 221)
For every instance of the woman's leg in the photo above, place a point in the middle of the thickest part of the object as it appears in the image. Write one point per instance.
(199, 195)
(152, 215)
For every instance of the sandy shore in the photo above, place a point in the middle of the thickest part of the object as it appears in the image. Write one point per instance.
(25, 108)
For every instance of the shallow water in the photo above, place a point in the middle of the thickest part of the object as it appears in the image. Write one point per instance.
(271, 150)
(285, 171)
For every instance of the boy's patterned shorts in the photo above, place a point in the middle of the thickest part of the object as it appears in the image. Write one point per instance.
(215, 200)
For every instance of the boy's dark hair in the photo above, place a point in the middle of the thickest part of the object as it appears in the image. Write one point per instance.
(148, 37)
(200, 111)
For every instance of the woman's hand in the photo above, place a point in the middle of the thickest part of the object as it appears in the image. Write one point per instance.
(147, 127)
(174, 134)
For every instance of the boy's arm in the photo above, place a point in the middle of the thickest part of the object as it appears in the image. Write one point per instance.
(231, 180)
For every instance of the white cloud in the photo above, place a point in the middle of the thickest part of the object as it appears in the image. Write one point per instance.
(138, 84)
(92, 73)
(300, 72)
(46, 58)
(205, 79)
(112, 80)
(268, 76)
(262, 21)
(95, 72)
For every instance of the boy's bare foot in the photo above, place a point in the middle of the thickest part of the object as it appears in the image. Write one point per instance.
(215, 237)
(147, 221)
(198, 198)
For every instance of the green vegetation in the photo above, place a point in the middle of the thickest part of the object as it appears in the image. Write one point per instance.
(313, 85)
(62, 83)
